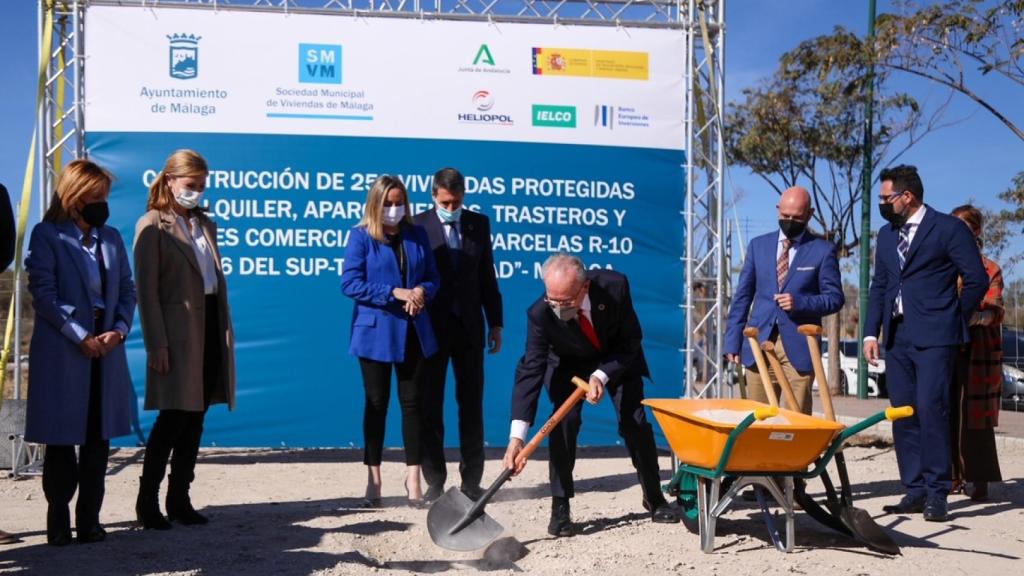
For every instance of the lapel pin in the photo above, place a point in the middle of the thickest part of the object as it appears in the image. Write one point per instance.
(600, 307)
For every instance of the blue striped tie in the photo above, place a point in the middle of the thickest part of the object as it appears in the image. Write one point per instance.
(901, 250)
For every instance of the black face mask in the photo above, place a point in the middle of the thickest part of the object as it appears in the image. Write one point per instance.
(95, 214)
(792, 228)
(888, 211)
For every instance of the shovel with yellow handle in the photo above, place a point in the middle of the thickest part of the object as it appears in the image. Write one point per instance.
(858, 522)
(457, 523)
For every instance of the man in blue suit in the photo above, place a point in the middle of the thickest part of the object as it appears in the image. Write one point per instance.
(918, 258)
(790, 277)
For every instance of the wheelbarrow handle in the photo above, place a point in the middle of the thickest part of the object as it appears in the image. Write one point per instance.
(812, 331)
(752, 335)
(787, 390)
(582, 389)
(759, 413)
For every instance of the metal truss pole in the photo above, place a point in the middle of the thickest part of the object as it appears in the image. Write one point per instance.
(706, 266)
(59, 123)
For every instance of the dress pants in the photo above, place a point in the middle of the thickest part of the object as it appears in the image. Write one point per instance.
(633, 428)
(922, 378)
(62, 474)
(467, 360)
(377, 385)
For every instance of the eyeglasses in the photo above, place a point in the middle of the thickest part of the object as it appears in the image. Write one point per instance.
(567, 301)
(889, 198)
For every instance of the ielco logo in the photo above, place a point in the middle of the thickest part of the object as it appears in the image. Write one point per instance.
(482, 100)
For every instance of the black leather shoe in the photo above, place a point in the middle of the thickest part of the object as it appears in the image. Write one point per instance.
(560, 525)
(472, 492)
(59, 539)
(907, 505)
(935, 510)
(92, 535)
(661, 512)
(187, 516)
(433, 493)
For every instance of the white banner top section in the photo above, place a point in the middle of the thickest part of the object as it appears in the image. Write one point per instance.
(181, 70)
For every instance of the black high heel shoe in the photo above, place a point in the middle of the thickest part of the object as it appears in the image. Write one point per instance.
(414, 502)
(371, 501)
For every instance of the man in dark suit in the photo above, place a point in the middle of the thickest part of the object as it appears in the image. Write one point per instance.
(461, 241)
(790, 278)
(585, 324)
(919, 256)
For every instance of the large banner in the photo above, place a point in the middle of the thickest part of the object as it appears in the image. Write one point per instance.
(571, 139)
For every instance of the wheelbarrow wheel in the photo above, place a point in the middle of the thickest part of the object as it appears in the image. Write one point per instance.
(687, 497)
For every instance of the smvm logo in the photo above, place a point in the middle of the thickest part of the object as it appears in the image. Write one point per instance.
(320, 63)
(184, 56)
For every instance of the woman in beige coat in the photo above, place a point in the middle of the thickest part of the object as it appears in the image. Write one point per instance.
(186, 325)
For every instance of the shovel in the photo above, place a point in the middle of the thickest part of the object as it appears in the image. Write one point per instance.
(457, 523)
(809, 505)
(862, 526)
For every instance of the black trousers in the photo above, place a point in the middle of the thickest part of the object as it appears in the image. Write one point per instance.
(176, 434)
(377, 384)
(467, 360)
(634, 429)
(63, 473)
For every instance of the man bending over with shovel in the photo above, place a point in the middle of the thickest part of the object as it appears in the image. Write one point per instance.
(584, 324)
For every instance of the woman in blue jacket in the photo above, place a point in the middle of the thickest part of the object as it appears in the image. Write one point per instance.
(389, 271)
(79, 387)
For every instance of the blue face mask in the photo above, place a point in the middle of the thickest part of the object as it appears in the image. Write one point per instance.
(449, 216)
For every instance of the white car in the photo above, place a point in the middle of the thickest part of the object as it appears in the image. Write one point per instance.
(848, 369)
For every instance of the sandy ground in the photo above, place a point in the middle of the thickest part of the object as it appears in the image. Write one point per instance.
(295, 512)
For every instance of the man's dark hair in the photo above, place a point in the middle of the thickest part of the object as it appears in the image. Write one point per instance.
(904, 178)
(451, 180)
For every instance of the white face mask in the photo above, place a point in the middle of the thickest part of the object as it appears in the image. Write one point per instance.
(187, 199)
(393, 215)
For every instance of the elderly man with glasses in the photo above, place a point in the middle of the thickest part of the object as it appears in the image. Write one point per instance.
(585, 325)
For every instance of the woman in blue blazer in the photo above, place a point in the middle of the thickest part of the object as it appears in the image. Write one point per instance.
(389, 271)
(79, 387)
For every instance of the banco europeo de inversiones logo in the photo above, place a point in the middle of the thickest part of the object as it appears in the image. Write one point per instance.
(183, 62)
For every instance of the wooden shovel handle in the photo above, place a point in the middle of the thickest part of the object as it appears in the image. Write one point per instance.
(787, 390)
(812, 332)
(582, 389)
(755, 348)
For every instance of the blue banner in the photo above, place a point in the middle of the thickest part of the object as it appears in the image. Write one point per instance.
(284, 205)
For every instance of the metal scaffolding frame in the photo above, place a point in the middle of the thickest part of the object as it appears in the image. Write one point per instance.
(62, 131)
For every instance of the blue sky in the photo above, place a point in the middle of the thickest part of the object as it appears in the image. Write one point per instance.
(974, 159)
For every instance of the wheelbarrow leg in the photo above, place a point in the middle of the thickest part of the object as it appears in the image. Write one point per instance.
(785, 499)
(707, 499)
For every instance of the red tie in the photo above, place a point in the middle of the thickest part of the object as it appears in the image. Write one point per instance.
(588, 330)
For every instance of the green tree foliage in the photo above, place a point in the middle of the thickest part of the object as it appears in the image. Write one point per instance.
(969, 46)
(804, 125)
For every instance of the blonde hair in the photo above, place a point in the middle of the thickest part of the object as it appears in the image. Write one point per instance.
(79, 178)
(181, 164)
(373, 212)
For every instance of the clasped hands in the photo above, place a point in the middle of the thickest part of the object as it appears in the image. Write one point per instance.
(413, 299)
(97, 346)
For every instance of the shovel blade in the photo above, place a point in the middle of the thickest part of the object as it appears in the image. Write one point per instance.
(867, 531)
(448, 512)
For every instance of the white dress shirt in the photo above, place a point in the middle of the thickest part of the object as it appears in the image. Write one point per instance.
(203, 252)
(914, 221)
